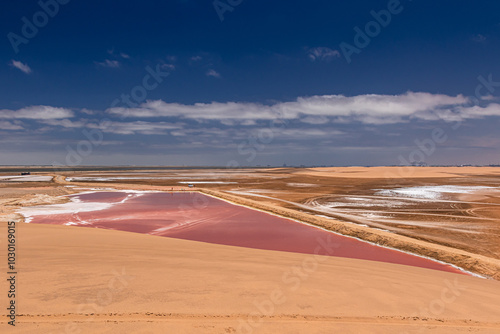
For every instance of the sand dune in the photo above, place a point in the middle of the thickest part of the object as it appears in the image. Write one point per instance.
(399, 172)
(125, 282)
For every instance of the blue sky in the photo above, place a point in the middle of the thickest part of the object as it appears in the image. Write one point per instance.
(170, 83)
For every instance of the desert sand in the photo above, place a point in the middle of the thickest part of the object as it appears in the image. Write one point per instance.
(99, 281)
(83, 280)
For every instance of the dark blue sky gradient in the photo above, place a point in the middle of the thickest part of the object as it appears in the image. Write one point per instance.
(260, 51)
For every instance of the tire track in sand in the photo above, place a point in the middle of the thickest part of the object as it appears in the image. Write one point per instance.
(285, 318)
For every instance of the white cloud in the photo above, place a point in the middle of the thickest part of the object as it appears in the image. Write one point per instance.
(123, 128)
(4, 125)
(213, 73)
(322, 53)
(248, 122)
(203, 111)
(20, 66)
(315, 120)
(138, 127)
(196, 58)
(488, 98)
(371, 105)
(124, 55)
(88, 111)
(301, 133)
(370, 109)
(463, 112)
(109, 63)
(492, 109)
(37, 112)
(65, 123)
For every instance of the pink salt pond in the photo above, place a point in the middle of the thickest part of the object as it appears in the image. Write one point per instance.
(198, 217)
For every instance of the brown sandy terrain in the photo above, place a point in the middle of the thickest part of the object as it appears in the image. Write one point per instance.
(193, 290)
(78, 280)
(466, 225)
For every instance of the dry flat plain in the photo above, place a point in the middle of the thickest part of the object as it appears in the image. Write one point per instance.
(83, 280)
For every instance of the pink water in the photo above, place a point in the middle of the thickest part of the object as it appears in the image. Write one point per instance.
(193, 216)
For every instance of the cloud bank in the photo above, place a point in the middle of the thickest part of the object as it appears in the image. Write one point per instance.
(155, 116)
(329, 128)
(369, 109)
(37, 113)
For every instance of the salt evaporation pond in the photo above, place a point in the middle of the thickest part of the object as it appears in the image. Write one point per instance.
(193, 216)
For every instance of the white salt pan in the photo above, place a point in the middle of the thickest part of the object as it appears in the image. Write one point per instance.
(433, 192)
